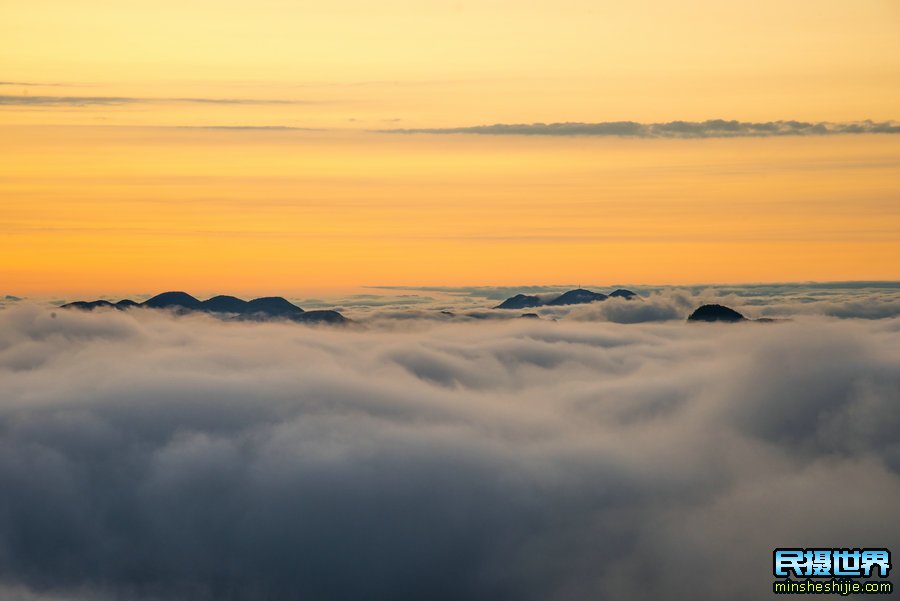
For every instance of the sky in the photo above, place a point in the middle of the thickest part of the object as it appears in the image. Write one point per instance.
(253, 148)
(411, 164)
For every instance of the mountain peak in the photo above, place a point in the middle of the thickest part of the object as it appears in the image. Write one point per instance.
(273, 305)
(716, 313)
(225, 304)
(168, 300)
(519, 301)
(577, 297)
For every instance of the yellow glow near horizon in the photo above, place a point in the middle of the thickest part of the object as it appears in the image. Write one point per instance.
(138, 209)
(134, 195)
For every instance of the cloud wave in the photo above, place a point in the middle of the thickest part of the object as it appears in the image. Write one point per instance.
(713, 128)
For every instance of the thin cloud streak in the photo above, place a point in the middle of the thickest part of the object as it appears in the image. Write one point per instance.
(713, 128)
(246, 127)
(33, 84)
(80, 101)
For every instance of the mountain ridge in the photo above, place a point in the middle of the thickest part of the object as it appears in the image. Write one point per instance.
(577, 296)
(259, 309)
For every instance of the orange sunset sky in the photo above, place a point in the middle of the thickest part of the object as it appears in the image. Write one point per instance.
(233, 146)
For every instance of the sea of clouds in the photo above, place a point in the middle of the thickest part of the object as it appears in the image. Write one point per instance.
(865, 300)
(145, 456)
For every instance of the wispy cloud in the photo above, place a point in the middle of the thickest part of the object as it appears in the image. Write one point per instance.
(248, 127)
(31, 84)
(80, 101)
(713, 128)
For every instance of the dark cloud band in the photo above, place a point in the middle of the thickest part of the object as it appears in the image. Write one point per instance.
(713, 128)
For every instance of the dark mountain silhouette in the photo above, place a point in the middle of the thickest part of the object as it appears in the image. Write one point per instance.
(273, 305)
(716, 313)
(225, 304)
(578, 296)
(259, 309)
(529, 316)
(520, 301)
(90, 305)
(172, 300)
(320, 316)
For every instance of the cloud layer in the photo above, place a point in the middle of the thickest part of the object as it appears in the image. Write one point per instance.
(713, 128)
(145, 456)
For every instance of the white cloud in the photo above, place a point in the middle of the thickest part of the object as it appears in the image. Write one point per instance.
(145, 456)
